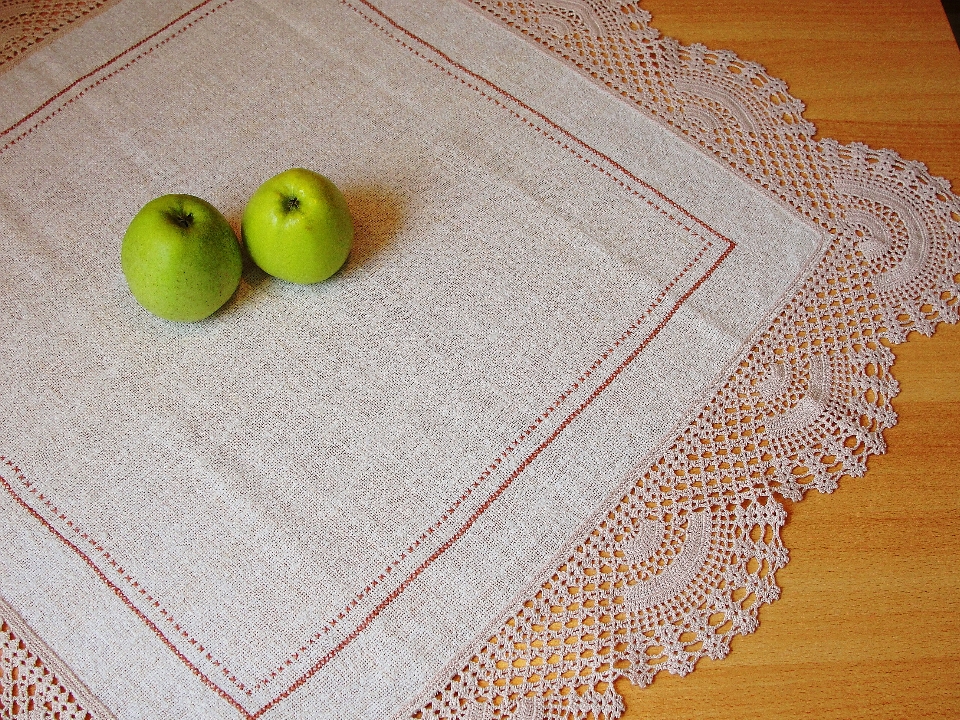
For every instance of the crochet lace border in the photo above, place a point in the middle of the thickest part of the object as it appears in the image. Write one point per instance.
(682, 562)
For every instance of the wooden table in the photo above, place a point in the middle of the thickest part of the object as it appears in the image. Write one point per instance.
(869, 621)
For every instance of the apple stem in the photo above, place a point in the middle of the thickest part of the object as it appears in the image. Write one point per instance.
(181, 219)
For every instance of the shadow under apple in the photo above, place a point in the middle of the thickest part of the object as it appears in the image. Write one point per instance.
(378, 213)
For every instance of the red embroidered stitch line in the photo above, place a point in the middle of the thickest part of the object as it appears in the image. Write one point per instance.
(30, 487)
(489, 470)
(496, 463)
(496, 494)
(450, 61)
(116, 590)
(100, 68)
(228, 674)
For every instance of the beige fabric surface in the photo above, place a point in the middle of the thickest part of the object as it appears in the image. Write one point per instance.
(309, 503)
(27, 25)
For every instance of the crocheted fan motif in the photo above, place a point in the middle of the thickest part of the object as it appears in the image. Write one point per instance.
(682, 563)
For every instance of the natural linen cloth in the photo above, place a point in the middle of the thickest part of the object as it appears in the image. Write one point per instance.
(322, 501)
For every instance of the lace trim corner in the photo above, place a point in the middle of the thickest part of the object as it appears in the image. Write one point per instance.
(685, 560)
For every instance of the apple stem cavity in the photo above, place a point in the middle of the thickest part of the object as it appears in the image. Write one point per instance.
(180, 218)
(291, 203)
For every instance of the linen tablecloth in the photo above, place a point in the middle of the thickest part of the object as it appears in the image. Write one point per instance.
(608, 299)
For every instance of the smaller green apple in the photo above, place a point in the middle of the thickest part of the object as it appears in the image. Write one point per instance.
(297, 227)
(181, 258)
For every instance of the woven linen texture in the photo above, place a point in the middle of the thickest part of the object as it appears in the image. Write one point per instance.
(26, 25)
(684, 561)
(650, 589)
(285, 496)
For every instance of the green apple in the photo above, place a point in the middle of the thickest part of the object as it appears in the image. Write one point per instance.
(297, 227)
(181, 258)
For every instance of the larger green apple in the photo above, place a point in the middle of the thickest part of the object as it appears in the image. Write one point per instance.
(181, 258)
(297, 227)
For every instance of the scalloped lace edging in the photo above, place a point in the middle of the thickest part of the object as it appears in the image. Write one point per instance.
(685, 560)
(687, 557)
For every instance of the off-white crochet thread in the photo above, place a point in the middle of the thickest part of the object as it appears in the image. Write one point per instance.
(685, 560)
(37, 22)
(34, 683)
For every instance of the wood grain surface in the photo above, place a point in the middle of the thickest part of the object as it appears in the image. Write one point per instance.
(869, 622)
(868, 625)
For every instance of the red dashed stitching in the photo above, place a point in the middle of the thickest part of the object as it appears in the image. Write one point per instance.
(555, 136)
(109, 583)
(101, 80)
(606, 354)
(493, 497)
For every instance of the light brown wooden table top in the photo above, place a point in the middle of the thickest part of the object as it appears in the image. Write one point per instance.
(869, 621)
